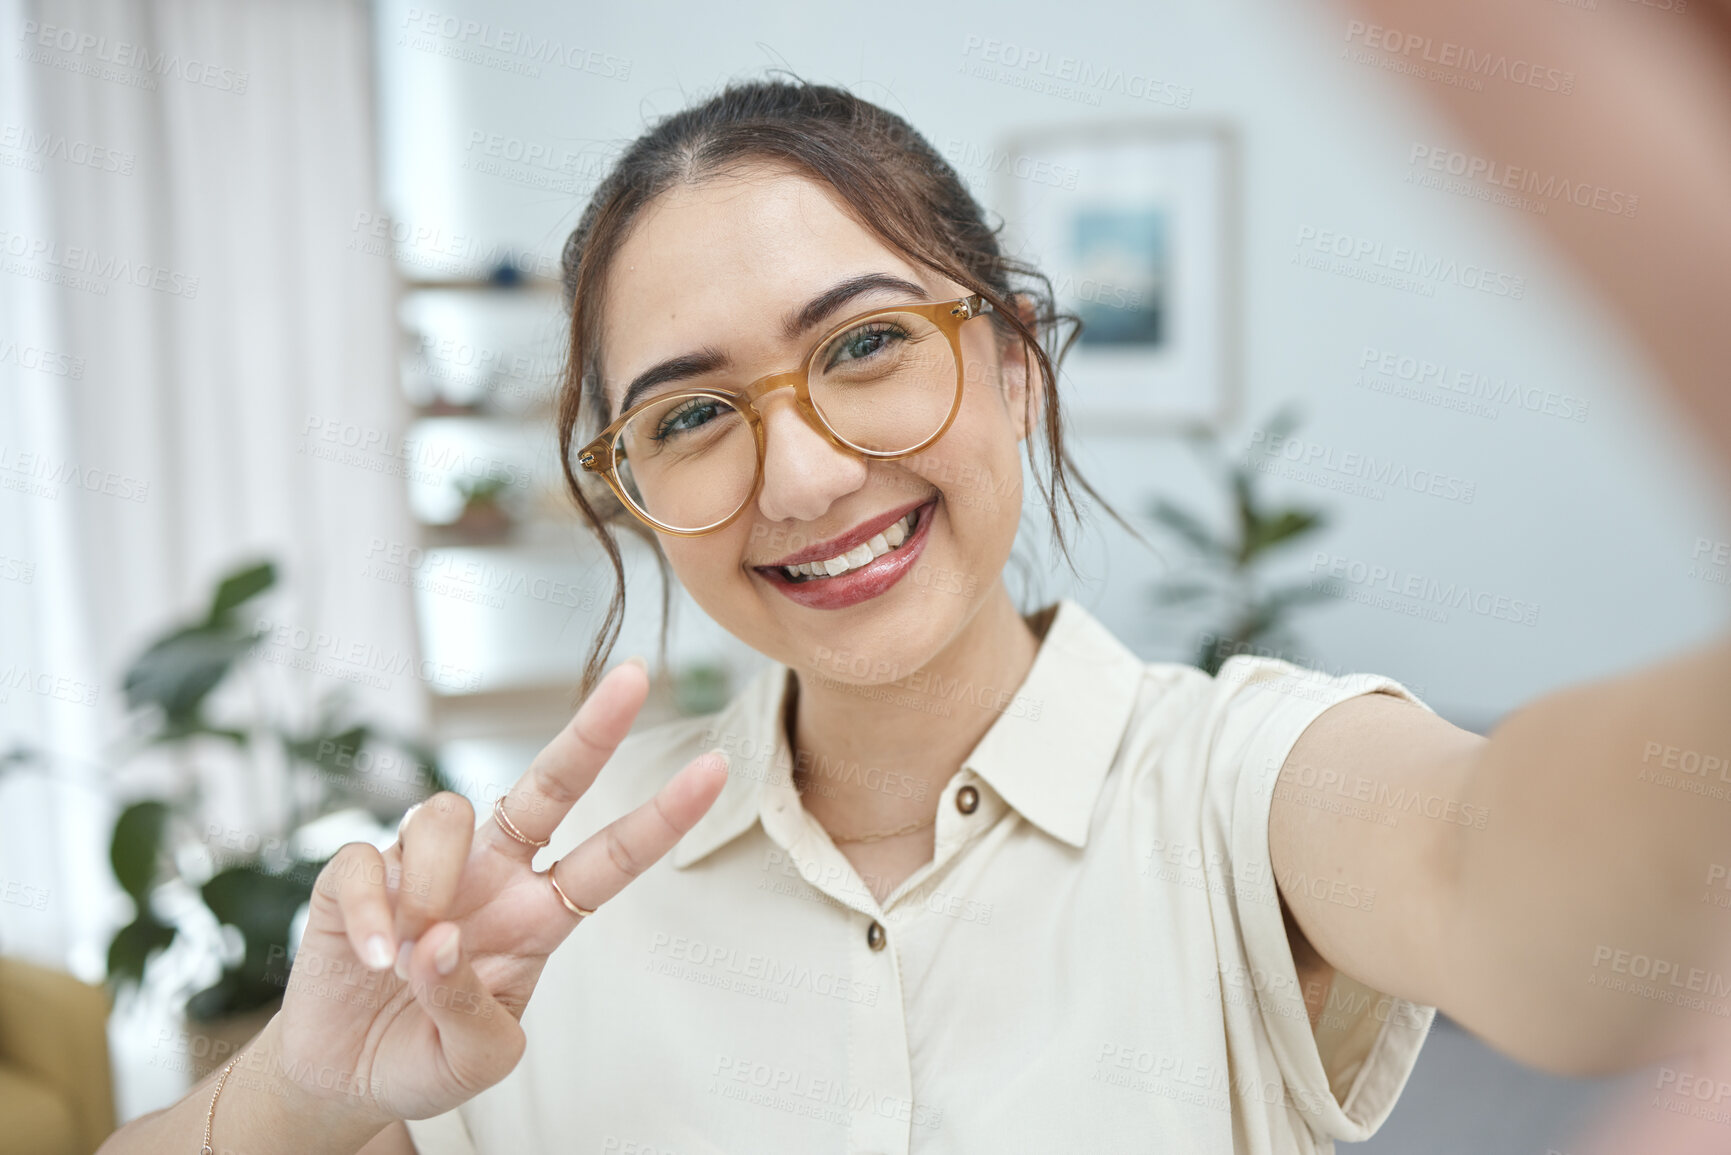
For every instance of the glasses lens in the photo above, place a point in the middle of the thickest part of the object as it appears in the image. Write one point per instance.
(886, 384)
(688, 462)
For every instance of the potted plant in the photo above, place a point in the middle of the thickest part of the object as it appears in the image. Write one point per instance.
(1226, 583)
(484, 517)
(256, 883)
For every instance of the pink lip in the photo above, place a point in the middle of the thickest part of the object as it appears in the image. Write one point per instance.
(861, 584)
(836, 546)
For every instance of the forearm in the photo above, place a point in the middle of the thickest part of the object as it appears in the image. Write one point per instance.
(1583, 934)
(260, 1112)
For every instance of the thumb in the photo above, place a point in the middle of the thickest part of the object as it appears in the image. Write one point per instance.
(480, 1039)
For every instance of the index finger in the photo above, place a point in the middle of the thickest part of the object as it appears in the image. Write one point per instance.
(566, 767)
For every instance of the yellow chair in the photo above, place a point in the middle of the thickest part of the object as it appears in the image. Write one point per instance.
(56, 1088)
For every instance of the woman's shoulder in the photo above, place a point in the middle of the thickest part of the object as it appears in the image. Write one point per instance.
(1249, 679)
(1251, 700)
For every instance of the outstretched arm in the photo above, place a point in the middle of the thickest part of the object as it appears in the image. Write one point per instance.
(1560, 887)
(1552, 886)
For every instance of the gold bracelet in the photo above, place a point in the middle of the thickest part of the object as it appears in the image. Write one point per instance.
(210, 1119)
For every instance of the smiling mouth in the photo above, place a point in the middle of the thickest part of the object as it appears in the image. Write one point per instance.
(887, 540)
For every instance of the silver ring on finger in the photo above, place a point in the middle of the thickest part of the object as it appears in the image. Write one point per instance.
(569, 905)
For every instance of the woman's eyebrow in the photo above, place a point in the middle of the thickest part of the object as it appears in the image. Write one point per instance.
(710, 359)
(706, 360)
(833, 298)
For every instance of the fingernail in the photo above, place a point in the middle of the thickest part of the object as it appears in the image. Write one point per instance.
(639, 662)
(376, 952)
(720, 765)
(403, 953)
(445, 958)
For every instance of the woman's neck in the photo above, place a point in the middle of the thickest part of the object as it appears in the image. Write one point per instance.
(870, 759)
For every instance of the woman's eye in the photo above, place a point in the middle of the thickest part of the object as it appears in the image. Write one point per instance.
(863, 343)
(687, 417)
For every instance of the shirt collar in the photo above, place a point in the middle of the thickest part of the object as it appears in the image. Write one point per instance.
(1046, 754)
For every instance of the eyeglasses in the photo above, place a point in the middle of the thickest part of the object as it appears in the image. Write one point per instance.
(883, 384)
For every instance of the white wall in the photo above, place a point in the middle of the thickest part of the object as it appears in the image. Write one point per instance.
(1594, 520)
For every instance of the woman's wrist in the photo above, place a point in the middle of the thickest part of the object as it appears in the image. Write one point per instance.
(269, 1104)
(261, 1110)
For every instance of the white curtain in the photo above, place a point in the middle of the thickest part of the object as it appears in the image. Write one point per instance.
(191, 324)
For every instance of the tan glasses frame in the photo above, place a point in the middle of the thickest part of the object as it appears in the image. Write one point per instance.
(599, 456)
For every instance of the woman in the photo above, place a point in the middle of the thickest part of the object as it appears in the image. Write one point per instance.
(960, 878)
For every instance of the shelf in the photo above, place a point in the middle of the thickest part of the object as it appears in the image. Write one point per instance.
(539, 535)
(531, 711)
(524, 284)
(505, 624)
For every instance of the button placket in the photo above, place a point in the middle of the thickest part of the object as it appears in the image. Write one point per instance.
(880, 1071)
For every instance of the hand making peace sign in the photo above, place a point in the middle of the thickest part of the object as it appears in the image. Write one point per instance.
(417, 962)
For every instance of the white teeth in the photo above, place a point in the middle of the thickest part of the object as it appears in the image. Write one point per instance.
(878, 545)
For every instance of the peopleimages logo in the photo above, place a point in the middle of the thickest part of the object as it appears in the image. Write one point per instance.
(1069, 77)
(57, 146)
(89, 265)
(513, 45)
(1401, 261)
(1337, 572)
(1456, 62)
(1496, 176)
(1471, 385)
(1352, 471)
(124, 54)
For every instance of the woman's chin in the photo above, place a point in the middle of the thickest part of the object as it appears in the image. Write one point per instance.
(897, 645)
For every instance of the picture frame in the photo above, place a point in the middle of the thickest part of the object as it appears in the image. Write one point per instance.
(1137, 223)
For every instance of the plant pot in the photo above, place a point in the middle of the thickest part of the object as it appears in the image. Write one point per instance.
(483, 521)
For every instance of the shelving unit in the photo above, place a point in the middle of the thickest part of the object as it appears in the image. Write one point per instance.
(508, 601)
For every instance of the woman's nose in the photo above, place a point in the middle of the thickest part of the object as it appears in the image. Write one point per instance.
(803, 471)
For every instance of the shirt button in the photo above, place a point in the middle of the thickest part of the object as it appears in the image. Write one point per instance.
(875, 935)
(967, 800)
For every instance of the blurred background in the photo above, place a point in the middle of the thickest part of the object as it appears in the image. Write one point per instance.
(282, 541)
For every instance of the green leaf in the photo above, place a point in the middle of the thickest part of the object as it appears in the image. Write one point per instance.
(332, 752)
(1188, 527)
(179, 671)
(262, 907)
(258, 904)
(225, 997)
(240, 586)
(1282, 528)
(136, 848)
(133, 945)
(1290, 596)
(1211, 654)
(1249, 521)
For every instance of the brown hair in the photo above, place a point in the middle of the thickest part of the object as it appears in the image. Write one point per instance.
(899, 188)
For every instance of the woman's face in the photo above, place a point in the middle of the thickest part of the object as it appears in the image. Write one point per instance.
(722, 266)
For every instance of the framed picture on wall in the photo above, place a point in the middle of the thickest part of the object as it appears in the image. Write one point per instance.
(1137, 225)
